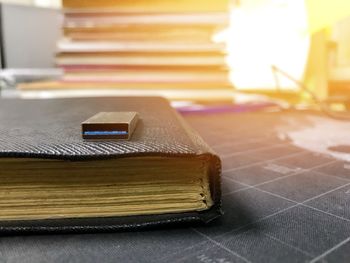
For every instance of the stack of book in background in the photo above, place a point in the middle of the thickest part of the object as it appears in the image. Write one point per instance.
(141, 47)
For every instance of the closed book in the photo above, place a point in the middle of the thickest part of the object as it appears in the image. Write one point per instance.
(202, 33)
(172, 19)
(69, 46)
(52, 180)
(149, 5)
(158, 32)
(128, 87)
(150, 77)
(142, 59)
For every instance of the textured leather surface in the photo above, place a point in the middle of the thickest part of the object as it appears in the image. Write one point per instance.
(52, 129)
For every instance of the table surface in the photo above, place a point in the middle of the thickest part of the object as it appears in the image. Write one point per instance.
(282, 201)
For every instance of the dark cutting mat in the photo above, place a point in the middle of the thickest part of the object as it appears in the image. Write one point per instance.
(282, 204)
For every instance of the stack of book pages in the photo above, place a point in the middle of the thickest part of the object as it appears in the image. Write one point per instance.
(142, 47)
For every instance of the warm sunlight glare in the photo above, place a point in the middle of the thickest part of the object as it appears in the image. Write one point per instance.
(322, 13)
(266, 33)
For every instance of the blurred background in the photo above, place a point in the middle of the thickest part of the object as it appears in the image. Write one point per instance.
(294, 52)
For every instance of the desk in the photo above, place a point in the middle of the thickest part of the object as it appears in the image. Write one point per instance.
(282, 203)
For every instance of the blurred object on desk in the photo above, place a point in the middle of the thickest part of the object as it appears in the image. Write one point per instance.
(11, 78)
(28, 36)
(339, 77)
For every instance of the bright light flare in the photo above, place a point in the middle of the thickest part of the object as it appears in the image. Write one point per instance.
(265, 34)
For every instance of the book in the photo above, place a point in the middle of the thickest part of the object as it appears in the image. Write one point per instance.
(144, 30)
(137, 59)
(118, 86)
(163, 32)
(67, 46)
(148, 5)
(143, 76)
(54, 180)
(104, 19)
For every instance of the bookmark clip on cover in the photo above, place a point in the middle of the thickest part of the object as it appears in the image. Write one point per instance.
(110, 126)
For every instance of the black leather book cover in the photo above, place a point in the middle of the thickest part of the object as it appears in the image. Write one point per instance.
(51, 129)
